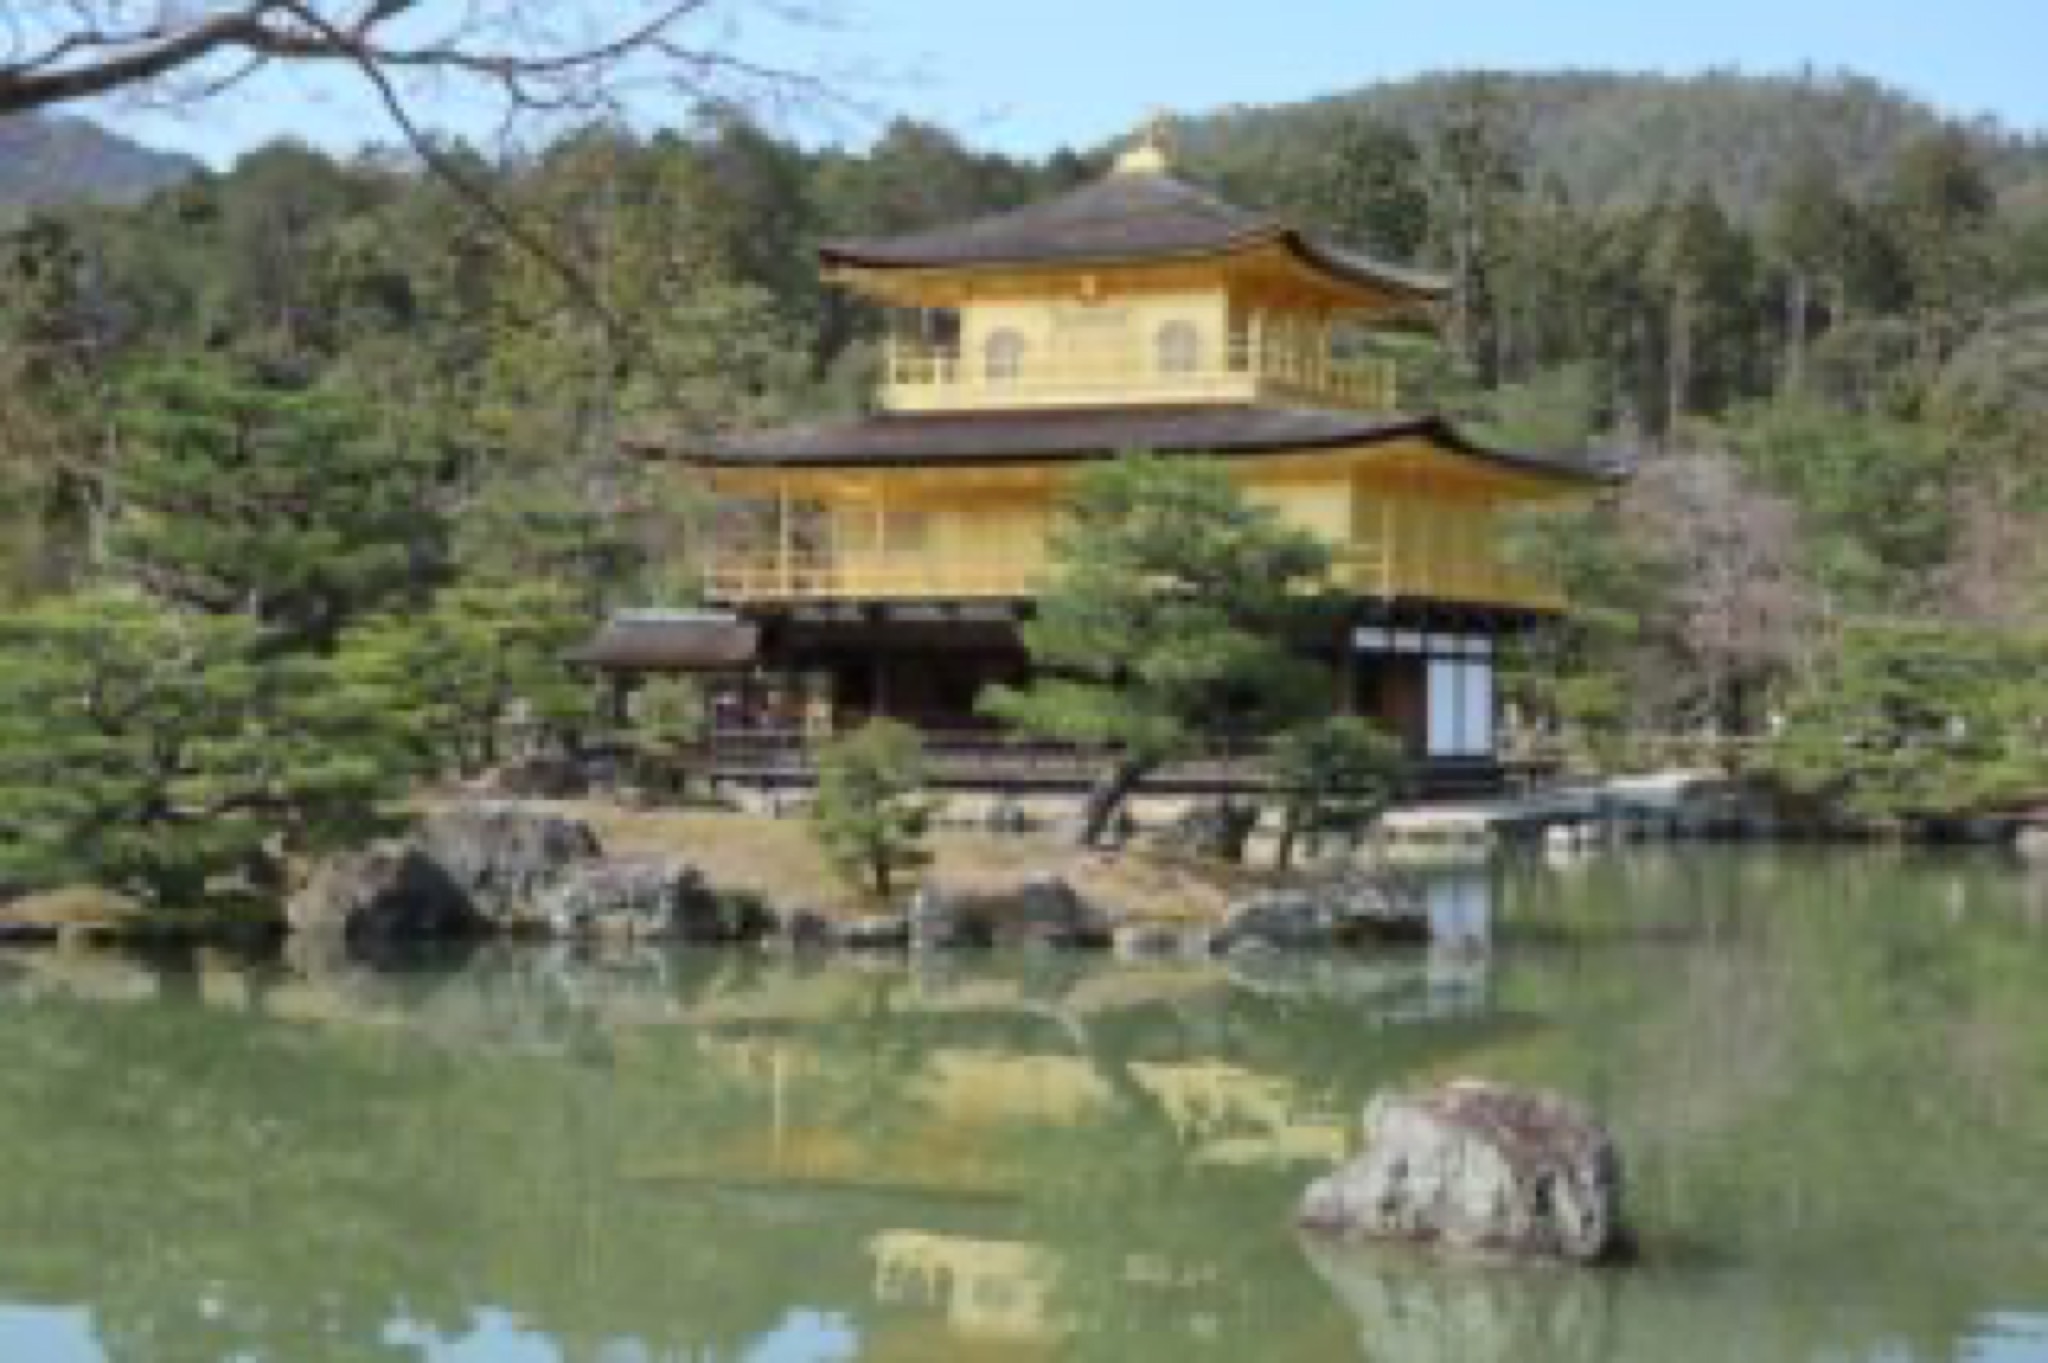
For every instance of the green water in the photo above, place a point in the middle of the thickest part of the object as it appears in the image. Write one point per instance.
(1830, 1072)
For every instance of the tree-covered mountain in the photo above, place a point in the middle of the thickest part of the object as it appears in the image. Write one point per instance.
(1810, 313)
(61, 160)
(1623, 140)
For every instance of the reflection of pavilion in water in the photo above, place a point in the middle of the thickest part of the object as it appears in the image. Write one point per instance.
(968, 1101)
(1218, 1112)
(995, 1288)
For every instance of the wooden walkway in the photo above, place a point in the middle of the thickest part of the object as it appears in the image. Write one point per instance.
(1452, 826)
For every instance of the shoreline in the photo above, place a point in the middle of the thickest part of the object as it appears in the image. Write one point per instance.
(1148, 885)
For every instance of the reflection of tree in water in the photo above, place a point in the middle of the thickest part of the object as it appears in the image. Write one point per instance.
(1826, 1071)
(1821, 1066)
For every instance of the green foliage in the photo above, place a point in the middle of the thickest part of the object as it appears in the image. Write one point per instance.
(170, 755)
(872, 811)
(1169, 624)
(1939, 205)
(1363, 183)
(1332, 774)
(1995, 387)
(668, 712)
(1874, 493)
(1917, 721)
(1582, 676)
(312, 391)
(296, 508)
(478, 665)
(1558, 410)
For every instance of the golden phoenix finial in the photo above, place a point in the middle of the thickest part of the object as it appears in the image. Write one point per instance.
(1148, 153)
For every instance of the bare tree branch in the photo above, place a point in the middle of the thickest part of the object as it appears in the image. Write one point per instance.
(536, 60)
(559, 55)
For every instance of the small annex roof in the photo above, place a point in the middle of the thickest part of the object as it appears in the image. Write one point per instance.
(670, 641)
(996, 437)
(1122, 218)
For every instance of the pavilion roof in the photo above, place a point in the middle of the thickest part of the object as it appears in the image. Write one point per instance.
(1124, 218)
(670, 641)
(946, 439)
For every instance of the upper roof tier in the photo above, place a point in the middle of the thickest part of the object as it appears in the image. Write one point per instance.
(1137, 215)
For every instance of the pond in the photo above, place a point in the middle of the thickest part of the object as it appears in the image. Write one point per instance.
(1829, 1069)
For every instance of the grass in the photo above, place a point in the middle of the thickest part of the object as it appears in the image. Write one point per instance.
(778, 859)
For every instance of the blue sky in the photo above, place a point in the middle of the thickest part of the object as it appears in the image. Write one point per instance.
(1030, 75)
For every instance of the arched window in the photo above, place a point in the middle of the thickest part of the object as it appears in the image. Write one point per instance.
(1003, 355)
(1178, 348)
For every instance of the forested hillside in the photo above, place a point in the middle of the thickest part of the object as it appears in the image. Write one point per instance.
(63, 160)
(1609, 139)
(1811, 317)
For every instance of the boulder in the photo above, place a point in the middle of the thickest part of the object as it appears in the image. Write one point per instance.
(1217, 830)
(632, 897)
(505, 854)
(878, 932)
(1478, 1166)
(385, 892)
(1039, 910)
(803, 929)
(1349, 907)
(1155, 941)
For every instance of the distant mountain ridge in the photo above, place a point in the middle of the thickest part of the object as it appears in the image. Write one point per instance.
(1609, 138)
(1622, 139)
(49, 160)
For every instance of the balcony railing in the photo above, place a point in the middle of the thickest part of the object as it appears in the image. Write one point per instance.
(917, 377)
(906, 576)
(739, 577)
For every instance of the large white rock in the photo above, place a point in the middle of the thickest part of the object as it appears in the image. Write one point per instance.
(1478, 1166)
(505, 853)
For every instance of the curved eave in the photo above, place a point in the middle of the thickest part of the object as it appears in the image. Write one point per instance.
(1371, 285)
(813, 448)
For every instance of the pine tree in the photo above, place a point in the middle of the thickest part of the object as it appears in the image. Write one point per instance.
(1334, 773)
(170, 754)
(1363, 184)
(1808, 236)
(1168, 627)
(1477, 176)
(294, 508)
(1939, 205)
(872, 811)
(456, 676)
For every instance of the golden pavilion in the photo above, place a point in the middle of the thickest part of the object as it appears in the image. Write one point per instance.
(881, 565)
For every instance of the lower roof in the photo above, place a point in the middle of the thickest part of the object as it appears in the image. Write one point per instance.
(670, 641)
(970, 438)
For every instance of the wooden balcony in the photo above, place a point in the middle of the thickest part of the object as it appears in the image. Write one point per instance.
(909, 576)
(1369, 570)
(918, 378)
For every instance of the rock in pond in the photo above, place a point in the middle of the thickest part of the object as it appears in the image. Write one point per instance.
(1348, 907)
(502, 866)
(505, 854)
(878, 932)
(386, 892)
(643, 898)
(1478, 1166)
(1038, 910)
(1157, 942)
